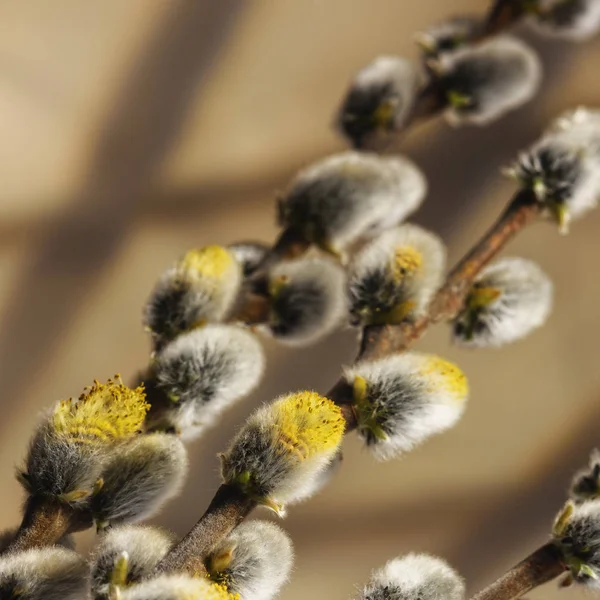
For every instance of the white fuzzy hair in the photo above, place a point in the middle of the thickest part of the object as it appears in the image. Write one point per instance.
(580, 27)
(524, 304)
(172, 587)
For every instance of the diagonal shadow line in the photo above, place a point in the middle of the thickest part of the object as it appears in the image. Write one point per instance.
(81, 242)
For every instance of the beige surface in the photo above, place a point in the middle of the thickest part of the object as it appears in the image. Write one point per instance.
(133, 130)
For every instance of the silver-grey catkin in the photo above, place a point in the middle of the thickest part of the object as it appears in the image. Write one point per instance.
(142, 475)
(254, 561)
(134, 549)
(307, 300)
(203, 372)
(483, 82)
(378, 100)
(44, 574)
(345, 197)
(576, 20)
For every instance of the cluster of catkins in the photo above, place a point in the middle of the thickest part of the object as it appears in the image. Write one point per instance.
(112, 457)
(465, 74)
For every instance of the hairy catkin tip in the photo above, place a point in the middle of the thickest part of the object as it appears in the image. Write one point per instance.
(563, 167)
(44, 574)
(394, 277)
(139, 479)
(482, 83)
(177, 587)
(351, 195)
(307, 300)
(576, 532)
(509, 299)
(414, 577)
(125, 556)
(254, 561)
(279, 455)
(576, 20)
(586, 482)
(378, 100)
(200, 287)
(403, 399)
(249, 255)
(203, 372)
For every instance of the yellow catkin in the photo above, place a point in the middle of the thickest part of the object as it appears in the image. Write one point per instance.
(446, 376)
(406, 261)
(103, 413)
(307, 424)
(212, 262)
(219, 592)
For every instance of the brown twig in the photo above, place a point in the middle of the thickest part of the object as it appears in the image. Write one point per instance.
(543, 565)
(45, 522)
(223, 514)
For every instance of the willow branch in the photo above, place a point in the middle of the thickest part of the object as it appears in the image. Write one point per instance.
(230, 506)
(543, 565)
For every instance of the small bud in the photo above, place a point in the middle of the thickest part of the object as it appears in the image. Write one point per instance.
(278, 456)
(249, 255)
(586, 483)
(394, 277)
(349, 196)
(44, 574)
(177, 587)
(125, 556)
(414, 577)
(403, 399)
(563, 167)
(447, 36)
(379, 99)
(483, 82)
(576, 20)
(577, 533)
(307, 300)
(509, 299)
(139, 479)
(70, 447)
(203, 372)
(254, 561)
(201, 287)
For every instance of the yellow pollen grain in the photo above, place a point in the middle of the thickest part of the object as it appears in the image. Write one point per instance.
(103, 413)
(406, 261)
(218, 591)
(446, 376)
(213, 262)
(307, 424)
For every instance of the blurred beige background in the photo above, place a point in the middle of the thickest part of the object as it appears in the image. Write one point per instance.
(132, 130)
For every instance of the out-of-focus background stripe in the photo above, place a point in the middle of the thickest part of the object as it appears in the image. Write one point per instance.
(134, 130)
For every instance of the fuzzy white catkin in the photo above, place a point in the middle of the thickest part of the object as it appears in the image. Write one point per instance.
(403, 266)
(143, 475)
(200, 287)
(523, 304)
(414, 577)
(586, 482)
(495, 77)
(44, 574)
(249, 255)
(408, 398)
(204, 372)
(579, 540)
(347, 196)
(576, 20)
(261, 560)
(174, 587)
(307, 300)
(379, 98)
(144, 548)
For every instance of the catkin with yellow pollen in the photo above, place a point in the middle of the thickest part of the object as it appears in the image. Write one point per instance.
(74, 442)
(278, 457)
(403, 399)
(177, 587)
(394, 277)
